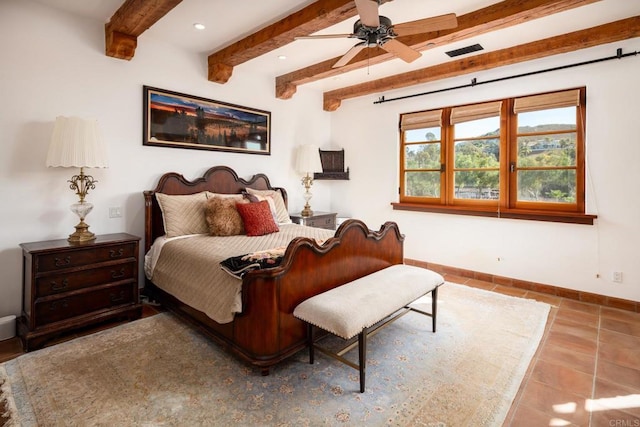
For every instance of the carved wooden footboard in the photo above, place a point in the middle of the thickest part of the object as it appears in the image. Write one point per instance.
(266, 332)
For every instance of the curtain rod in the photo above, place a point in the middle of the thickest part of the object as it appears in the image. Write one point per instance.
(475, 82)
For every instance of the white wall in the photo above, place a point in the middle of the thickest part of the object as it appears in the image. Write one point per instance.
(54, 64)
(566, 255)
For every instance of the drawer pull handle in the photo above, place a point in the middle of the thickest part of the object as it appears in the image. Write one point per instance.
(117, 297)
(55, 286)
(116, 275)
(62, 262)
(116, 253)
(57, 305)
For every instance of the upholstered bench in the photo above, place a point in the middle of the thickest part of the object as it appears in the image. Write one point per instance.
(363, 306)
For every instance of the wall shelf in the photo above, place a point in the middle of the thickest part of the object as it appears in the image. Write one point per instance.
(332, 166)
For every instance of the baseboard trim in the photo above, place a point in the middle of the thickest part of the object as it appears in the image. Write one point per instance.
(603, 300)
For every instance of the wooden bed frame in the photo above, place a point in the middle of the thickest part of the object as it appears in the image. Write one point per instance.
(266, 331)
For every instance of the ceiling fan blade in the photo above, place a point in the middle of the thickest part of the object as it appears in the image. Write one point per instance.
(351, 53)
(327, 36)
(368, 11)
(442, 22)
(401, 50)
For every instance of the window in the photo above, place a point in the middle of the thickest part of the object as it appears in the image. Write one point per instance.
(475, 169)
(517, 157)
(423, 153)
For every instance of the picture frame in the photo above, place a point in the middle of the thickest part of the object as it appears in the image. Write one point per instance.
(178, 120)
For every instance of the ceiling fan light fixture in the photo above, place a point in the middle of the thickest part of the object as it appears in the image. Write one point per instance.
(374, 30)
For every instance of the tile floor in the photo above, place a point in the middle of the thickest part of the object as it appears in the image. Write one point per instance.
(586, 371)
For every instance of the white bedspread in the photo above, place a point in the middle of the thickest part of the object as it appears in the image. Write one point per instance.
(189, 268)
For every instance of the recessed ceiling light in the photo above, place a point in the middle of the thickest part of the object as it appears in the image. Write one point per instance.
(199, 26)
(282, 57)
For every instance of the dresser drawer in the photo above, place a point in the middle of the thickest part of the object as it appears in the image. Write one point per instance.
(69, 286)
(56, 283)
(324, 222)
(318, 219)
(79, 257)
(54, 310)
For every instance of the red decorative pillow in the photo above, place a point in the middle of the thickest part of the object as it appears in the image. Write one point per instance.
(257, 218)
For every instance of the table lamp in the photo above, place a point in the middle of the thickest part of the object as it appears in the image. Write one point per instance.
(308, 162)
(77, 143)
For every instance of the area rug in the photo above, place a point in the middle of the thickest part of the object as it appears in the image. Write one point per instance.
(158, 371)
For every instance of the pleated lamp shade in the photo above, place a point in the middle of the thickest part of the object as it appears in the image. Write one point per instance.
(308, 159)
(77, 142)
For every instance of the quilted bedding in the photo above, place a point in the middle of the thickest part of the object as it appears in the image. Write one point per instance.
(189, 268)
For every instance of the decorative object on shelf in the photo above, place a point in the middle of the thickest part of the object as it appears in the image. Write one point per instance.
(77, 143)
(332, 165)
(173, 119)
(307, 162)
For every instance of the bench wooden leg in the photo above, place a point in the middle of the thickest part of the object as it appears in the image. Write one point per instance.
(434, 307)
(310, 343)
(362, 356)
(362, 338)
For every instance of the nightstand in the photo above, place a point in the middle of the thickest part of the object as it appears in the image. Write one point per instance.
(67, 286)
(318, 219)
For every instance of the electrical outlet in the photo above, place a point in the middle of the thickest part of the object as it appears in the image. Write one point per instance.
(617, 277)
(115, 212)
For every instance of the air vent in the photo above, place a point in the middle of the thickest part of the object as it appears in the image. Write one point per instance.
(464, 50)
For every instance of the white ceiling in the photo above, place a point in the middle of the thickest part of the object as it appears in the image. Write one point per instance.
(229, 21)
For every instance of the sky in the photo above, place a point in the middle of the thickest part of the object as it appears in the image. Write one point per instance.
(484, 126)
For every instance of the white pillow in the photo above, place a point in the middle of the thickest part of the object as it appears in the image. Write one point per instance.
(211, 195)
(282, 215)
(272, 205)
(183, 214)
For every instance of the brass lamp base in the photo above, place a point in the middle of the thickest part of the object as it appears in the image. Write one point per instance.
(82, 234)
(307, 181)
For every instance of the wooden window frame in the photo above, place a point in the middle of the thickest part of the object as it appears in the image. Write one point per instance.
(507, 206)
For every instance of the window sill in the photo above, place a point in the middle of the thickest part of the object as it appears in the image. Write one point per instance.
(550, 216)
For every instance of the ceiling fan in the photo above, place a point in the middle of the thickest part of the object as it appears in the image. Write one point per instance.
(375, 30)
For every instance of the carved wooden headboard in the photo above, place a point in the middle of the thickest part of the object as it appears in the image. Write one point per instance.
(218, 179)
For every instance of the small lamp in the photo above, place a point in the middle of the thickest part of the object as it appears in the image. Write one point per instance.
(77, 143)
(308, 162)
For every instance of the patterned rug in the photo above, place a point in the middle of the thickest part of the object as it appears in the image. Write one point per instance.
(158, 371)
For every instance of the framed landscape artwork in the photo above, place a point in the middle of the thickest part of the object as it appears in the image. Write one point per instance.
(178, 120)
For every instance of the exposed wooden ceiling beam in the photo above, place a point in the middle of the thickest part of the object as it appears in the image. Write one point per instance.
(315, 17)
(607, 33)
(133, 18)
(500, 15)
